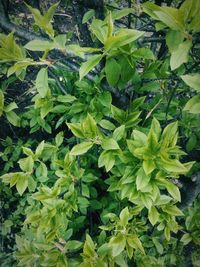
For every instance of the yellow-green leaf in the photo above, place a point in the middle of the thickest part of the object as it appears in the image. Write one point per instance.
(180, 55)
(153, 215)
(192, 80)
(81, 148)
(42, 82)
(89, 65)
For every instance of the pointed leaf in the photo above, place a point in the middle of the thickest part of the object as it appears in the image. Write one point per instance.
(110, 144)
(173, 190)
(42, 82)
(153, 215)
(81, 148)
(89, 65)
(180, 55)
(192, 80)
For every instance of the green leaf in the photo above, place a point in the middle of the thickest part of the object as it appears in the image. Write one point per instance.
(26, 164)
(192, 80)
(36, 14)
(124, 216)
(68, 234)
(22, 184)
(144, 53)
(66, 98)
(171, 36)
(89, 127)
(135, 243)
(89, 65)
(150, 9)
(169, 135)
(190, 8)
(42, 82)
(180, 55)
(88, 15)
(146, 200)
(89, 178)
(193, 105)
(76, 129)
(173, 210)
(109, 144)
(59, 138)
(110, 24)
(173, 190)
(73, 245)
(44, 22)
(107, 125)
(117, 244)
(39, 45)
(142, 179)
(80, 51)
(163, 199)
(105, 99)
(85, 190)
(112, 70)
(123, 37)
(158, 245)
(192, 142)
(155, 126)
(10, 107)
(50, 12)
(167, 233)
(89, 247)
(27, 151)
(118, 114)
(41, 172)
(118, 14)
(13, 118)
(99, 29)
(140, 138)
(150, 87)
(148, 166)
(19, 67)
(153, 215)
(173, 165)
(39, 149)
(186, 239)
(19, 179)
(10, 51)
(32, 184)
(172, 17)
(107, 159)
(81, 148)
(119, 133)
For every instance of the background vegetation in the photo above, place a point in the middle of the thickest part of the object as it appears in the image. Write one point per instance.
(99, 137)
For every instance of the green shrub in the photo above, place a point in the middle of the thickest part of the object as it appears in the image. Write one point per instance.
(92, 176)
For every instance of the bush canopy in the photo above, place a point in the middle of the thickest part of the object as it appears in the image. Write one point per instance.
(99, 138)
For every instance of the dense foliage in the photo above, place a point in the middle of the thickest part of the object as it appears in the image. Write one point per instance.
(101, 168)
